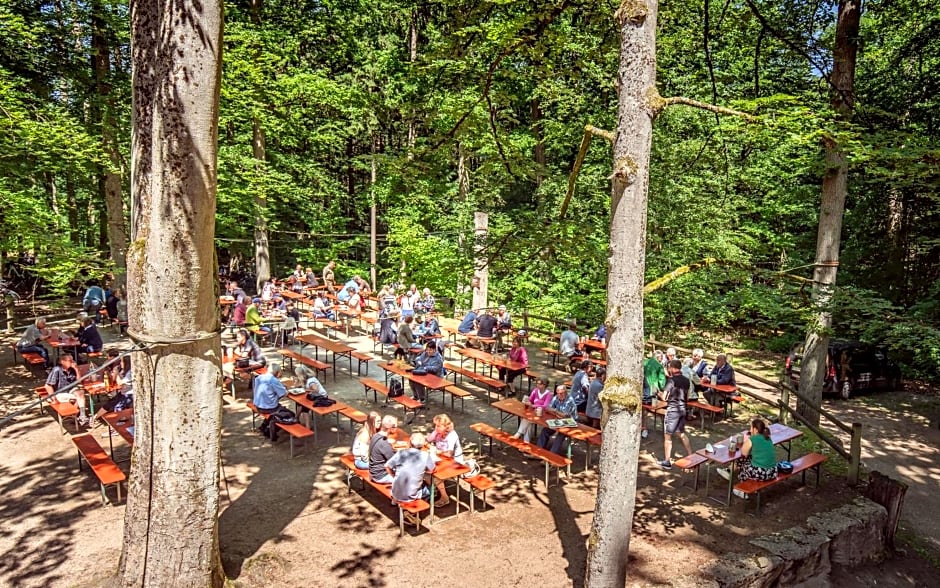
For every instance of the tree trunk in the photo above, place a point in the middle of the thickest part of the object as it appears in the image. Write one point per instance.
(609, 539)
(481, 265)
(832, 207)
(71, 203)
(539, 149)
(262, 249)
(171, 519)
(373, 245)
(110, 178)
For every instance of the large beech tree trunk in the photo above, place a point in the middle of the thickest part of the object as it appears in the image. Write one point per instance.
(262, 247)
(831, 209)
(609, 539)
(171, 520)
(110, 177)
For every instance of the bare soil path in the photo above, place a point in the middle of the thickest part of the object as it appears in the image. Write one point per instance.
(292, 523)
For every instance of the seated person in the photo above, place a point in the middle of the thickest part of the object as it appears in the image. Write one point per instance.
(468, 323)
(407, 343)
(430, 328)
(380, 451)
(486, 325)
(516, 353)
(253, 320)
(600, 334)
(540, 397)
(503, 325)
(563, 407)
(569, 344)
(323, 308)
(426, 303)
(348, 288)
(267, 291)
(446, 444)
(61, 377)
(360, 446)
(89, 339)
(432, 363)
(312, 281)
(354, 302)
(407, 469)
(239, 312)
(581, 384)
(690, 374)
(123, 397)
(31, 341)
(722, 375)
(758, 460)
(594, 409)
(247, 355)
(111, 305)
(268, 391)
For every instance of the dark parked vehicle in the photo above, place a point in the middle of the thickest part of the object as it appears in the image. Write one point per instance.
(850, 367)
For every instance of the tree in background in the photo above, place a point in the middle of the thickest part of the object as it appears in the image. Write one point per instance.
(171, 520)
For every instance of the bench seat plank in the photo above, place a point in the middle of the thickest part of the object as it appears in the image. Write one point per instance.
(415, 507)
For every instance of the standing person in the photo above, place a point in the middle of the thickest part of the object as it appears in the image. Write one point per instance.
(518, 354)
(563, 407)
(360, 446)
(654, 380)
(594, 409)
(268, 391)
(31, 341)
(61, 377)
(94, 299)
(329, 277)
(380, 451)
(675, 394)
(540, 397)
(758, 460)
(426, 304)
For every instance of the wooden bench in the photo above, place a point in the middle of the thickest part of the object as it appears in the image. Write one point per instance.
(456, 392)
(355, 417)
(104, 468)
(707, 410)
(415, 507)
(362, 358)
(809, 461)
(481, 484)
(322, 322)
(658, 413)
(295, 430)
(317, 365)
(691, 463)
(410, 404)
(548, 458)
(29, 358)
(63, 410)
(491, 383)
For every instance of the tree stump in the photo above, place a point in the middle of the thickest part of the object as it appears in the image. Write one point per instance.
(888, 493)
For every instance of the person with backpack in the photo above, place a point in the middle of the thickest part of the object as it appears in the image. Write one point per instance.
(267, 393)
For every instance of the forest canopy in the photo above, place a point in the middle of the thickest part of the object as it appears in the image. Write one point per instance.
(481, 106)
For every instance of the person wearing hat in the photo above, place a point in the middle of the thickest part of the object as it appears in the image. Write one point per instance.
(253, 320)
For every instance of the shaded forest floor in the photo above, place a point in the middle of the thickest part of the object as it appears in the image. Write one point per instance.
(291, 522)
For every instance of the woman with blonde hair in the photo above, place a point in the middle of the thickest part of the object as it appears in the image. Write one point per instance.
(360, 447)
(446, 442)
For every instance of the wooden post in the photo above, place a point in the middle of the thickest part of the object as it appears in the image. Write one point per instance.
(889, 494)
(481, 268)
(372, 223)
(855, 454)
(784, 402)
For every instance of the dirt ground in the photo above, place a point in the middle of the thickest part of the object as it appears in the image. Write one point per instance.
(292, 523)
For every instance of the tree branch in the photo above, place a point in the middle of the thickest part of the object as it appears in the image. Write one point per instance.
(589, 132)
(706, 106)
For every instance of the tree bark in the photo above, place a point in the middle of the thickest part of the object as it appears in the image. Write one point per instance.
(481, 273)
(171, 519)
(831, 210)
(109, 178)
(262, 248)
(609, 539)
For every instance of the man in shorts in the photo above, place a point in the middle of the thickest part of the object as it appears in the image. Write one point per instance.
(676, 394)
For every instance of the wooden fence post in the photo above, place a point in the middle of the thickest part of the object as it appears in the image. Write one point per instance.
(784, 402)
(855, 454)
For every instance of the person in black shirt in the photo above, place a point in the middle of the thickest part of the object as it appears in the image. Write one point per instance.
(676, 394)
(380, 451)
(486, 325)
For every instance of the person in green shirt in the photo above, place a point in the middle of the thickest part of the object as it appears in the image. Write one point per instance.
(758, 460)
(654, 382)
(253, 318)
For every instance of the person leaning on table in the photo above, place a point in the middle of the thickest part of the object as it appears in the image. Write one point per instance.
(758, 460)
(407, 470)
(31, 341)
